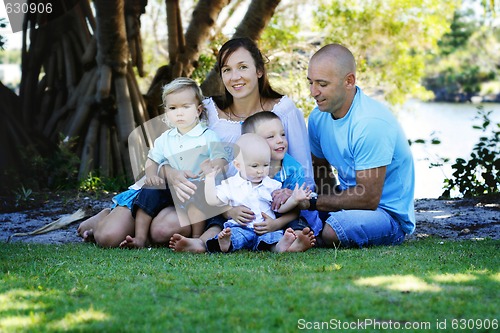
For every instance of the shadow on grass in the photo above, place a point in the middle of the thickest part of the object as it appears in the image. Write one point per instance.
(30, 310)
(85, 288)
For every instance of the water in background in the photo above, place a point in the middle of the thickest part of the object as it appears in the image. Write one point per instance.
(450, 123)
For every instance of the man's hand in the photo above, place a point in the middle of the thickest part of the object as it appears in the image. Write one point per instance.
(280, 197)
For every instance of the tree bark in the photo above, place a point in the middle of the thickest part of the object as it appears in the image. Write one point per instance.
(77, 71)
(183, 53)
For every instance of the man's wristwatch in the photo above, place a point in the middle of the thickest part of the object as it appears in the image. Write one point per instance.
(313, 201)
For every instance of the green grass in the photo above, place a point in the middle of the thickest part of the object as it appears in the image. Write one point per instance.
(82, 288)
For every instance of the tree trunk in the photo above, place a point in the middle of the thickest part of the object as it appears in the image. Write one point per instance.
(184, 52)
(78, 78)
(87, 76)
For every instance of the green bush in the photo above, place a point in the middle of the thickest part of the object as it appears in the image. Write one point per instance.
(480, 175)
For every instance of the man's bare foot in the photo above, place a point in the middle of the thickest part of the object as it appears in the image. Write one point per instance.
(305, 240)
(180, 243)
(91, 222)
(286, 241)
(224, 239)
(132, 243)
(88, 236)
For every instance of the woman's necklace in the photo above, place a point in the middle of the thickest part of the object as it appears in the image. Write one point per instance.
(241, 119)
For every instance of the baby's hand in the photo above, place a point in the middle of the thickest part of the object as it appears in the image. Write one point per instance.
(212, 171)
(206, 167)
(154, 181)
(301, 193)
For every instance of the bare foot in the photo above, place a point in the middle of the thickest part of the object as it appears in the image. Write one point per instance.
(180, 243)
(132, 243)
(88, 236)
(224, 239)
(91, 222)
(305, 240)
(286, 241)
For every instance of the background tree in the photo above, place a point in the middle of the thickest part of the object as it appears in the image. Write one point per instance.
(390, 38)
(467, 58)
(79, 74)
(81, 65)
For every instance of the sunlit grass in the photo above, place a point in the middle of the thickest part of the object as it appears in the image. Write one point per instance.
(80, 317)
(83, 288)
(403, 283)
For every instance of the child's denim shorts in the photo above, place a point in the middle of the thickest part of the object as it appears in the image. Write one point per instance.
(246, 238)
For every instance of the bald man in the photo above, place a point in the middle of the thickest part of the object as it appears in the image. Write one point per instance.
(373, 201)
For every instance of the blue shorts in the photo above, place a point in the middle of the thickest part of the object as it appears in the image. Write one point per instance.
(361, 228)
(246, 238)
(152, 201)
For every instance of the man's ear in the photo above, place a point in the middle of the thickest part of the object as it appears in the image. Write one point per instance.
(350, 80)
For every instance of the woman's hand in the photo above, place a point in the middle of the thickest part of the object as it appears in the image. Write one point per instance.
(280, 197)
(240, 214)
(268, 225)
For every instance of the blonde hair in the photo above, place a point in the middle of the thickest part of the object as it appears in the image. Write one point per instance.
(181, 83)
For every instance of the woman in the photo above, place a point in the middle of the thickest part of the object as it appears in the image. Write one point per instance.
(247, 91)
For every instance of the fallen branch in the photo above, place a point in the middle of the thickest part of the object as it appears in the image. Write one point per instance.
(58, 224)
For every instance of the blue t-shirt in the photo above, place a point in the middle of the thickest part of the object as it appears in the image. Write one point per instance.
(367, 137)
(292, 173)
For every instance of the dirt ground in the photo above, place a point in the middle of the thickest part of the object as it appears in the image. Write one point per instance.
(448, 219)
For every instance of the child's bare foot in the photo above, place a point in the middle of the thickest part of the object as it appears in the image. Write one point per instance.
(132, 243)
(180, 243)
(224, 239)
(91, 222)
(286, 241)
(305, 240)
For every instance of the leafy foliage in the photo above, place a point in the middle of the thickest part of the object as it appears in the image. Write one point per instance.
(57, 170)
(286, 44)
(461, 29)
(22, 194)
(205, 63)
(95, 184)
(391, 39)
(480, 175)
(458, 82)
(467, 58)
